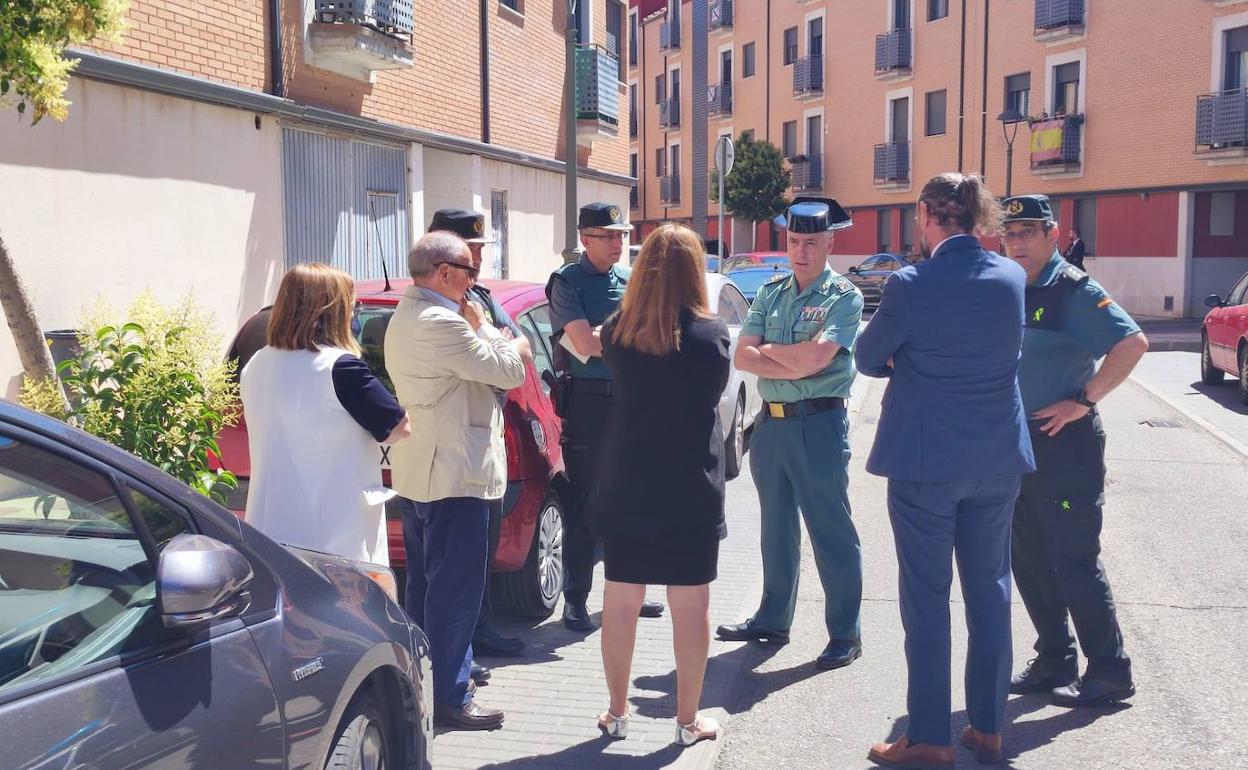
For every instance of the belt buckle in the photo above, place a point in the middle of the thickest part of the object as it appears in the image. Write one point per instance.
(775, 410)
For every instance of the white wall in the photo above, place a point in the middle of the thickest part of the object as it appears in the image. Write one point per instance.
(139, 190)
(1140, 284)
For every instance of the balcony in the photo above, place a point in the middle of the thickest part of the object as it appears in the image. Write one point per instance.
(892, 166)
(1059, 20)
(721, 16)
(597, 95)
(1056, 146)
(669, 114)
(807, 172)
(669, 190)
(892, 55)
(1222, 126)
(359, 37)
(719, 99)
(808, 78)
(669, 36)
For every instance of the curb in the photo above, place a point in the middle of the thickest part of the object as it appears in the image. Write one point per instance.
(704, 755)
(1200, 422)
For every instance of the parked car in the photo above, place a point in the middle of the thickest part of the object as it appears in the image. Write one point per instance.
(1224, 338)
(750, 279)
(142, 624)
(740, 401)
(529, 558)
(747, 259)
(871, 274)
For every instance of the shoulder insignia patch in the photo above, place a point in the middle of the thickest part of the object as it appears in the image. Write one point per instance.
(778, 277)
(1104, 303)
(1072, 273)
(843, 285)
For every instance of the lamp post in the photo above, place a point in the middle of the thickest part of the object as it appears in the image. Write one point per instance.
(569, 139)
(1009, 128)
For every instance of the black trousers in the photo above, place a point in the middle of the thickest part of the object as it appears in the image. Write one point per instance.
(584, 428)
(496, 524)
(1056, 549)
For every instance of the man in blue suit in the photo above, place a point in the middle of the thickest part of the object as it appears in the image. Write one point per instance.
(953, 443)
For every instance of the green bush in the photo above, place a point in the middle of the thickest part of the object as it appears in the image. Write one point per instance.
(155, 385)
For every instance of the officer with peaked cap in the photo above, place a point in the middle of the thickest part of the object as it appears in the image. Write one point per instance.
(1071, 322)
(799, 338)
(582, 294)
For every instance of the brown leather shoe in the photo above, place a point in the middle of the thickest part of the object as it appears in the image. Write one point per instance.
(470, 716)
(911, 756)
(987, 746)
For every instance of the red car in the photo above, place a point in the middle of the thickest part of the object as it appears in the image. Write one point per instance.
(1224, 338)
(529, 559)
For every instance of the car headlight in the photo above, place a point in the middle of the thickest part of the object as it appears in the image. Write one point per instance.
(539, 434)
(382, 576)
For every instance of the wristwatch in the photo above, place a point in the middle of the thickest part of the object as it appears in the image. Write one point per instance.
(1083, 400)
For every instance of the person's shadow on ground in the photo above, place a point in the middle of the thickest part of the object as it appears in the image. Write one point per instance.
(735, 686)
(591, 754)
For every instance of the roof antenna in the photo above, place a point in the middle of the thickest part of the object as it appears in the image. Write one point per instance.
(380, 244)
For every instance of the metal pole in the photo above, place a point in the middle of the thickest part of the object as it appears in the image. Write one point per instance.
(721, 217)
(1009, 166)
(569, 139)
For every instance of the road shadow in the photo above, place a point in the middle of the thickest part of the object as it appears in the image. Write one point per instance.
(1225, 395)
(591, 754)
(733, 682)
(542, 640)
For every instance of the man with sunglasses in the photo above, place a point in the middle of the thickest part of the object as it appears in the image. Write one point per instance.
(1071, 322)
(582, 294)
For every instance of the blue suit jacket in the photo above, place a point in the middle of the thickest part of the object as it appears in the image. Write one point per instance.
(953, 327)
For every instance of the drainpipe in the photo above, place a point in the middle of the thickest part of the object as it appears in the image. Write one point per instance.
(569, 135)
(767, 65)
(278, 86)
(485, 71)
(962, 89)
(983, 105)
(641, 113)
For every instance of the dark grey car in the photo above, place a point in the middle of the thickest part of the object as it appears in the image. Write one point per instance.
(142, 625)
(870, 276)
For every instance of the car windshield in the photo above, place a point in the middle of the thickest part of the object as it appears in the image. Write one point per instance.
(749, 281)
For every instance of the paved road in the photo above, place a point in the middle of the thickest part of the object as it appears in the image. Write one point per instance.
(1175, 376)
(1176, 522)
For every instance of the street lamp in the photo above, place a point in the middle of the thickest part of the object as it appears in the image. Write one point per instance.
(1009, 128)
(569, 138)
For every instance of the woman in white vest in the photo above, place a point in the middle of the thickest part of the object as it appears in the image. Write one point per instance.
(315, 413)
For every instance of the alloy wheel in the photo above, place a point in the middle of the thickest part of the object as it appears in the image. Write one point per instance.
(550, 551)
(372, 748)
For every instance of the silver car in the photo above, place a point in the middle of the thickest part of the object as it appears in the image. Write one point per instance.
(740, 401)
(142, 625)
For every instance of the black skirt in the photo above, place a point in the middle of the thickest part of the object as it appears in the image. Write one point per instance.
(685, 561)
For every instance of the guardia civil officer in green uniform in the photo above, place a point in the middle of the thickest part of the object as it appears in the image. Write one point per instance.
(582, 294)
(1071, 322)
(799, 338)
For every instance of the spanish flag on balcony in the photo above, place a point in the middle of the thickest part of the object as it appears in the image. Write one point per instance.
(1046, 140)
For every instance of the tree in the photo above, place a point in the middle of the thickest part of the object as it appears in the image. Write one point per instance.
(756, 185)
(34, 74)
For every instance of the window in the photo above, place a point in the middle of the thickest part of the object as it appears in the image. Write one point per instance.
(72, 553)
(747, 135)
(901, 14)
(632, 109)
(515, 5)
(747, 60)
(732, 306)
(632, 39)
(814, 37)
(1018, 93)
(535, 325)
(674, 167)
(725, 66)
(814, 136)
(1235, 70)
(788, 141)
(1222, 214)
(937, 9)
(615, 36)
(907, 231)
(581, 21)
(1066, 89)
(500, 254)
(884, 231)
(674, 87)
(660, 162)
(935, 113)
(660, 89)
(790, 45)
(900, 120)
(1085, 222)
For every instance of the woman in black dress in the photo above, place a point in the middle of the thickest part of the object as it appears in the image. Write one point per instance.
(661, 496)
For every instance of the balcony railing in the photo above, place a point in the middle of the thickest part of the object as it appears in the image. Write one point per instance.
(892, 163)
(892, 52)
(1058, 18)
(597, 90)
(808, 76)
(669, 114)
(1055, 144)
(721, 15)
(390, 17)
(719, 98)
(1222, 121)
(669, 188)
(669, 36)
(807, 172)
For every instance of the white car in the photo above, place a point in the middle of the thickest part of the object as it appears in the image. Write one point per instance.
(740, 401)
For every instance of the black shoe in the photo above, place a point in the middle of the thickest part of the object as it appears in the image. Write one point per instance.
(651, 609)
(480, 674)
(838, 654)
(490, 642)
(467, 717)
(749, 632)
(1093, 692)
(576, 618)
(1042, 676)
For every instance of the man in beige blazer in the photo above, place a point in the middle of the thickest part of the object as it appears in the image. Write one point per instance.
(445, 358)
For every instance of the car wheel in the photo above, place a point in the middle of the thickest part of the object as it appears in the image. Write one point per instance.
(1243, 374)
(1209, 374)
(533, 590)
(363, 741)
(734, 442)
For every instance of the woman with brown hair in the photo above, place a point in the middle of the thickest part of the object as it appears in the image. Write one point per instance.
(315, 413)
(661, 503)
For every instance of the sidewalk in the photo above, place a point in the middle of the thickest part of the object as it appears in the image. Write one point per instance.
(1166, 334)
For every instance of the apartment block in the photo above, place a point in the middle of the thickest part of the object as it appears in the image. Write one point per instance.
(1131, 114)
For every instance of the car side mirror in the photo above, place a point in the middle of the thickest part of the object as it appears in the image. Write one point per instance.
(200, 579)
(853, 269)
(1213, 300)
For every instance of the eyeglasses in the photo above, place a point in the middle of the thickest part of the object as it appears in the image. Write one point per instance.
(1020, 235)
(614, 235)
(471, 271)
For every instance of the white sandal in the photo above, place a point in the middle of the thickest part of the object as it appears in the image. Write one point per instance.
(612, 726)
(701, 728)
